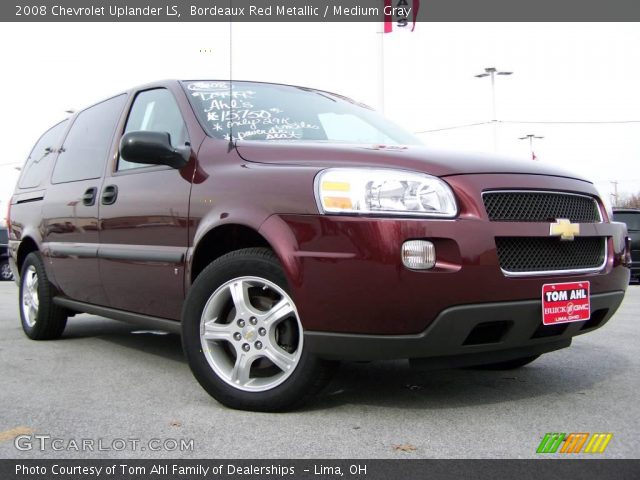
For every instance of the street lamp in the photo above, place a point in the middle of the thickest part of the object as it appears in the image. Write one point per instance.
(530, 137)
(492, 72)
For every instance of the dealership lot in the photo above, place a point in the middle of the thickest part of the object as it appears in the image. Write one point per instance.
(110, 384)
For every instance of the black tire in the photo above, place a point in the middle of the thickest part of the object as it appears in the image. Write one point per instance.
(49, 319)
(5, 271)
(310, 373)
(508, 365)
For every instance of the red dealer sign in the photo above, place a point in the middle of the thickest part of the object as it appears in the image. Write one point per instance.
(565, 302)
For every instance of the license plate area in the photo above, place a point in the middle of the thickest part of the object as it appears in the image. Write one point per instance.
(566, 302)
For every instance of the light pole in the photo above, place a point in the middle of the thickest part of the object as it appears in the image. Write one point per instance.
(531, 136)
(492, 72)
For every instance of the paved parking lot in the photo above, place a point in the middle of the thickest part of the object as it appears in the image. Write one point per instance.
(104, 381)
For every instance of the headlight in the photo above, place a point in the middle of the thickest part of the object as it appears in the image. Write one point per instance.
(383, 192)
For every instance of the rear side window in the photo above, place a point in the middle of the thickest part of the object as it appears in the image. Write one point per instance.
(4, 237)
(157, 111)
(631, 219)
(87, 144)
(37, 165)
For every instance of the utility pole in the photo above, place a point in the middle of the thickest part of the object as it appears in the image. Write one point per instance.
(530, 137)
(492, 72)
(615, 193)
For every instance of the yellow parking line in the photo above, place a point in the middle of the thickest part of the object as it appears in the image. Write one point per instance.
(14, 432)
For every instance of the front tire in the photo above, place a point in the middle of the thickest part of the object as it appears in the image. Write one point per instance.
(242, 335)
(41, 318)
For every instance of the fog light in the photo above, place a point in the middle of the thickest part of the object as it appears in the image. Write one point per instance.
(418, 254)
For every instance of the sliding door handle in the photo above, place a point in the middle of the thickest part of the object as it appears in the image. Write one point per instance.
(89, 197)
(109, 195)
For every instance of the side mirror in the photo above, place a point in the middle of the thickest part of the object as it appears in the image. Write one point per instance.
(153, 148)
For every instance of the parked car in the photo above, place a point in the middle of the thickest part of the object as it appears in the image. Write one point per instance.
(631, 217)
(5, 271)
(280, 229)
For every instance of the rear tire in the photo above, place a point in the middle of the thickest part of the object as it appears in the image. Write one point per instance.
(508, 365)
(242, 335)
(41, 319)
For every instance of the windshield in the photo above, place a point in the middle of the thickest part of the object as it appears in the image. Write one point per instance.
(630, 218)
(261, 111)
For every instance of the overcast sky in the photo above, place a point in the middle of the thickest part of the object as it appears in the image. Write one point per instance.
(562, 73)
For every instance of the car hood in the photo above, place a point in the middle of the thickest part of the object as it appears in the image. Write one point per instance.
(411, 157)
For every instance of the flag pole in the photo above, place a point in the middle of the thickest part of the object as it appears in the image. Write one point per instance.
(385, 27)
(381, 33)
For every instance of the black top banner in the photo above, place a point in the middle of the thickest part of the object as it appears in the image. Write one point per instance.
(404, 13)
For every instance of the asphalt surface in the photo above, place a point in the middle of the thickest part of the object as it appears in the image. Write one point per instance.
(102, 381)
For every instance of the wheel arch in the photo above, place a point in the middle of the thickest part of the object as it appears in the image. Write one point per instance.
(27, 246)
(220, 240)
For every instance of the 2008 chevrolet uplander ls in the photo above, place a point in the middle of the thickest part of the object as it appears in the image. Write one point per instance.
(282, 228)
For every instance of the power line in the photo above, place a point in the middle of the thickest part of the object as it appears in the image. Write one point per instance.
(569, 122)
(626, 180)
(454, 127)
(545, 122)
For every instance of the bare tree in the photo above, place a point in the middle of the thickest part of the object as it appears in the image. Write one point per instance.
(630, 201)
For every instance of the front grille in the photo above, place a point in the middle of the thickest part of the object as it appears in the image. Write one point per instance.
(524, 206)
(519, 255)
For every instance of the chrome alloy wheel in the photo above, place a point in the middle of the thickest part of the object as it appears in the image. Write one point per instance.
(30, 299)
(5, 272)
(251, 334)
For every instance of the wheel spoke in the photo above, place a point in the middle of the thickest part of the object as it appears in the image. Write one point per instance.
(27, 298)
(280, 310)
(34, 293)
(281, 359)
(240, 296)
(217, 331)
(242, 369)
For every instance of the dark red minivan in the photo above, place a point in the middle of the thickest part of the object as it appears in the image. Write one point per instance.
(279, 229)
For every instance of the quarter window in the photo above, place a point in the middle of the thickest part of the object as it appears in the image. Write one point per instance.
(157, 111)
(87, 145)
(38, 164)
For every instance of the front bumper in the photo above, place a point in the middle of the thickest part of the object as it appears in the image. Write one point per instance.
(469, 335)
(346, 274)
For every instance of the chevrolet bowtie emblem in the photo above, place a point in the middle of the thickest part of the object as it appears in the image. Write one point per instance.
(564, 229)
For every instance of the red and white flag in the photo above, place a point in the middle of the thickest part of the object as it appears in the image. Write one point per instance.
(399, 12)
